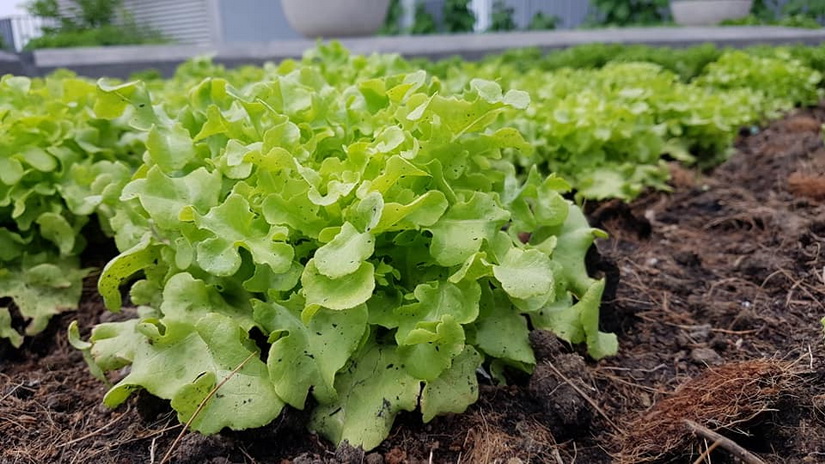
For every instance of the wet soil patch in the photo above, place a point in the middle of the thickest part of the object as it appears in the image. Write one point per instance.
(716, 292)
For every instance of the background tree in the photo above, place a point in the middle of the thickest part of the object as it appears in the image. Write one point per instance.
(502, 17)
(424, 21)
(458, 17)
(543, 22)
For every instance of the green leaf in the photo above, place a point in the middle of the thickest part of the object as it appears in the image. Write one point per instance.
(56, 228)
(574, 239)
(424, 211)
(186, 299)
(501, 332)
(113, 101)
(525, 274)
(170, 147)
(264, 280)
(341, 293)
(246, 400)
(463, 228)
(599, 344)
(430, 347)
(123, 267)
(11, 171)
(345, 253)
(6, 330)
(12, 245)
(371, 392)
(233, 225)
(39, 159)
(437, 300)
(455, 389)
(73, 334)
(305, 356)
(165, 198)
(183, 363)
(579, 322)
(473, 269)
(42, 287)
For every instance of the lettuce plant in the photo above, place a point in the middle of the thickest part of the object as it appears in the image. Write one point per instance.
(781, 81)
(370, 239)
(59, 166)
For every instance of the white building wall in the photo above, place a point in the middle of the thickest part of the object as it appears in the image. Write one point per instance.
(182, 21)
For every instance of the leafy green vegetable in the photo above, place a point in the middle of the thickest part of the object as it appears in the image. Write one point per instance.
(357, 222)
(386, 232)
(59, 165)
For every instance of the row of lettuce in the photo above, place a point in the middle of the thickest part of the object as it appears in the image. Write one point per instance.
(378, 232)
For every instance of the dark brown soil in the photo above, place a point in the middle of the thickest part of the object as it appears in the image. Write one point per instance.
(717, 293)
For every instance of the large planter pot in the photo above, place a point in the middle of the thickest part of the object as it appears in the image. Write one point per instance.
(708, 12)
(335, 18)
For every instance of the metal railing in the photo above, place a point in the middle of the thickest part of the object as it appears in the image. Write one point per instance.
(17, 31)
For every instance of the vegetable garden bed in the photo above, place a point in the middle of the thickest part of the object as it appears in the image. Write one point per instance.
(716, 286)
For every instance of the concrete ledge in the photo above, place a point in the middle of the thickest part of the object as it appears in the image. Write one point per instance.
(10, 64)
(122, 61)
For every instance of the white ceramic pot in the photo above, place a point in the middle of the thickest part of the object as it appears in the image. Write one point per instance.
(708, 12)
(335, 18)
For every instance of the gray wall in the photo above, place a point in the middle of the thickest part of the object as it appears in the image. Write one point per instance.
(244, 21)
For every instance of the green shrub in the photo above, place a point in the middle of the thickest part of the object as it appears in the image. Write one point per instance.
(543, 22)
(502, 17)
(108, 35)
(628, 12)
(458, 17)
(89, 23)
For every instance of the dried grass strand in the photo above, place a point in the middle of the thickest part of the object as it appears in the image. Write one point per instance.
(726, 443)
(203, 405)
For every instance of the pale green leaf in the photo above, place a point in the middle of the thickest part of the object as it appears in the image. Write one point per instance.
(525, 274)
(342, 293)
(234, 225)
(308, 356)
(345, 253)
(370, 393)
(123, 267)
(455, 389)
(461, 231)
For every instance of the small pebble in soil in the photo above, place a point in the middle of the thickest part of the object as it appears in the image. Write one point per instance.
(705, 356)
(348, 454)
(700, 332)
(307, 458)
(687, 258)
(719, 343)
